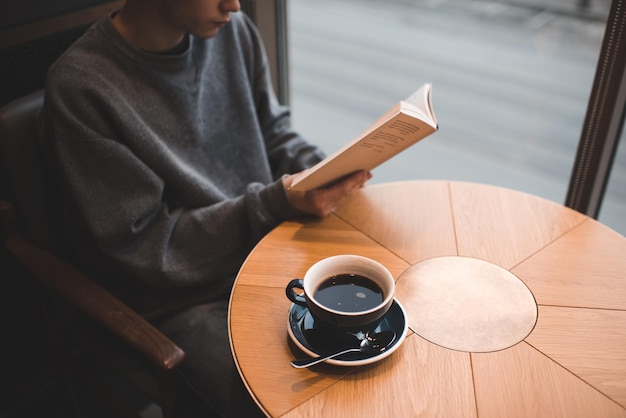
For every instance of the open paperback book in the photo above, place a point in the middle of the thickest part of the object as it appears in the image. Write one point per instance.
(406, 123)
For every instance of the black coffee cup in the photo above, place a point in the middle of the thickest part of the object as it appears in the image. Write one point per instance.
(345, 292)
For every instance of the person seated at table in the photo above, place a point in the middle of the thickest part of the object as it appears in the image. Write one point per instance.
(175, 158)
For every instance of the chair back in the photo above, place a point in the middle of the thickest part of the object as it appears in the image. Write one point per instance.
(32, 190)
(86, 328)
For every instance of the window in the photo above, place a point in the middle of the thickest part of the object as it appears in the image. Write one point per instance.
(613, 210)
(511, 84)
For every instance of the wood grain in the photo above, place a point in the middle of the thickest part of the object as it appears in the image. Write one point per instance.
(260, 298)
(292, 248)
(262, 351)
(571, 365)
(590, 343)
(411, 219)
(419, 380)
(585, 268)
(522, 382)
(505, 226)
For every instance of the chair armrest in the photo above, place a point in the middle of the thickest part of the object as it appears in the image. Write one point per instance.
(89, 297)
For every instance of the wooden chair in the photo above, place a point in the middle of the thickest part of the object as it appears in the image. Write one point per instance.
(87, 329)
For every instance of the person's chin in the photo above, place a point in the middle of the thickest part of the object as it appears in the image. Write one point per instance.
(211, 30)
(207, 33)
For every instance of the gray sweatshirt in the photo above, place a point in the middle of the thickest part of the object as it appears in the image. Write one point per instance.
(170, 164)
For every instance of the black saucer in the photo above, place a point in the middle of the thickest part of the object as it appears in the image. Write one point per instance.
(315, 341)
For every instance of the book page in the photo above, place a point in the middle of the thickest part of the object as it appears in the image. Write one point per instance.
(406, 123)
(394, 132)
(421, 99)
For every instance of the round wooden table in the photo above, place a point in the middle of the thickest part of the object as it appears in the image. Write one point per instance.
(567, 357)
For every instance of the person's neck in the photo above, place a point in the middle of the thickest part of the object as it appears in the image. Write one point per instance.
(145, 30)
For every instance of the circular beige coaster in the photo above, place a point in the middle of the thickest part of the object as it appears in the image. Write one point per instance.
(466, 304)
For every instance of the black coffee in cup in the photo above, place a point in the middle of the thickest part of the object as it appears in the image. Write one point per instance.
(349, 293)
(346, 292)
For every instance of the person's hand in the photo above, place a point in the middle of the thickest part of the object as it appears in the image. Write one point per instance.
(321, 202)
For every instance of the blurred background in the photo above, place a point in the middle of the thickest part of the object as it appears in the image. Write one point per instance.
(511, 83)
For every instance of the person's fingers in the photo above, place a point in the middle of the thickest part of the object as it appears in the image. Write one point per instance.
(323, 201)
(346, 187)
(326, 200)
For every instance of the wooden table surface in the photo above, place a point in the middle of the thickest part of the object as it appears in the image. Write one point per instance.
(571, 364)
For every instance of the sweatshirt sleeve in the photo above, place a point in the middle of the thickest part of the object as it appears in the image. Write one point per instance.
(287, 151)
(121, 203)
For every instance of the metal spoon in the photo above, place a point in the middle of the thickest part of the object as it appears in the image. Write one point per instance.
(371, 344)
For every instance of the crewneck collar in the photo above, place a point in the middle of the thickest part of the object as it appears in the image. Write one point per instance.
(178, 54)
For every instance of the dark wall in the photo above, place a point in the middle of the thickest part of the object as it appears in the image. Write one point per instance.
(24, 61)
(25, 373)
(28, 11)
(23, 67)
